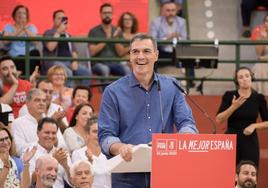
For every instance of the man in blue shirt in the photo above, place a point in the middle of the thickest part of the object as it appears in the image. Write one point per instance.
(138, 105)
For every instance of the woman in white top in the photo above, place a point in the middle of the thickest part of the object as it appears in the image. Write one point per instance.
(92, 153)
(75, 135)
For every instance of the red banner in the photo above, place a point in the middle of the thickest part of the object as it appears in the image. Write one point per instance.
(82, 14)
(188, 161)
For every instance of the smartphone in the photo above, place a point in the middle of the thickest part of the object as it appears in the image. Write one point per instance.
(64, 19)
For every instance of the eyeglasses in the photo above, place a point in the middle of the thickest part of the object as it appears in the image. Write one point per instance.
(2, 140)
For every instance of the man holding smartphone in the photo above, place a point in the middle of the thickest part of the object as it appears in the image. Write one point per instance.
(62, 48)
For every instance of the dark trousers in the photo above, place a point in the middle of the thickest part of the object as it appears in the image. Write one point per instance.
(20, 64)
(247, 6)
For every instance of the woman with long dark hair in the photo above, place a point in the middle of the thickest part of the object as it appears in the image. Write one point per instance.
(75, 135)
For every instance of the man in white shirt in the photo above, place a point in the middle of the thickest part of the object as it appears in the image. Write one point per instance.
(246, 175)
(46, 131)
(82, 174)
(92, 153)
(24, 128)
(46, 171)
(52, 109)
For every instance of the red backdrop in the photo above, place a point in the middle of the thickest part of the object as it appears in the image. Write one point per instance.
(82, 14)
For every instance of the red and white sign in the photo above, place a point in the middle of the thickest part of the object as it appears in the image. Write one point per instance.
(193, 160)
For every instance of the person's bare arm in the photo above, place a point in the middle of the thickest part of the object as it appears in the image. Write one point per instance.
(95, 48)
(53, 44)
(121, 50)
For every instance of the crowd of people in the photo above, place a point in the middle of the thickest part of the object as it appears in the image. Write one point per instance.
(50, 135)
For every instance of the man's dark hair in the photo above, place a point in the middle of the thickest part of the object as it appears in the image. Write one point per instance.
(76, 111)
(46, 120)
(4, 58)
(143, 36)
(45, 80)
(134, 27)
(82, 88)
(105, 5)
(56, 12)
(245, 162)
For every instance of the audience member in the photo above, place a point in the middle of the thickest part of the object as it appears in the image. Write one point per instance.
(75, 135)
(247, 6)
(13, 171)
(240, 108)
(127, 28)
(14, 89)
(105, 30)
(6, 115)
(82, 174)
(261, 69)
(133, 108)
(170, 27)
(24, 128)
(246, 175)
(62, 94)
(46, 169)
(178, 4)
(21, 28)
(92, 153)
(62, 48)
(52, 109)
(81, 94)
(47, 139)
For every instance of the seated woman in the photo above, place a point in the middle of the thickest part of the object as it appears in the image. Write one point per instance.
(62, 94)
(75, 135)
(261, 69)
(127, 28)
(21, 28)
(14, 172)
(92, 153)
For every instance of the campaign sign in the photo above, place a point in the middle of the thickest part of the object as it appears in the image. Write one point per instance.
(193, 160)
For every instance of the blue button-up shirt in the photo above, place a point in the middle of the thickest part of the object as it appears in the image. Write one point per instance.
(130, 114)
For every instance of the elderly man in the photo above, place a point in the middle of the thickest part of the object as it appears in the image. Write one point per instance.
(46, 132)
(246, 174)
(82, 174)
(24, 128)
(46, 171)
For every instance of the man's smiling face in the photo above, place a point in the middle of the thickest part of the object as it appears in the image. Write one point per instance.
(143, 56)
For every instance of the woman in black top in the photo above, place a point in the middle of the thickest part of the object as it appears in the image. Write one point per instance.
(241, 108)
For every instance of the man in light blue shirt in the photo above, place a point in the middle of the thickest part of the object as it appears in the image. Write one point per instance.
(138, 105)
(170, 27)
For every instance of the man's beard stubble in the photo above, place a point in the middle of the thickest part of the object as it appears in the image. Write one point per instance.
(106, 20)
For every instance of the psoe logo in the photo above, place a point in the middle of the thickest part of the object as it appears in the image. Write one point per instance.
(166, 147)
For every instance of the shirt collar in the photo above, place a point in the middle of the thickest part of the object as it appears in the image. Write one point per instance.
(43, 150)
(134, 82)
